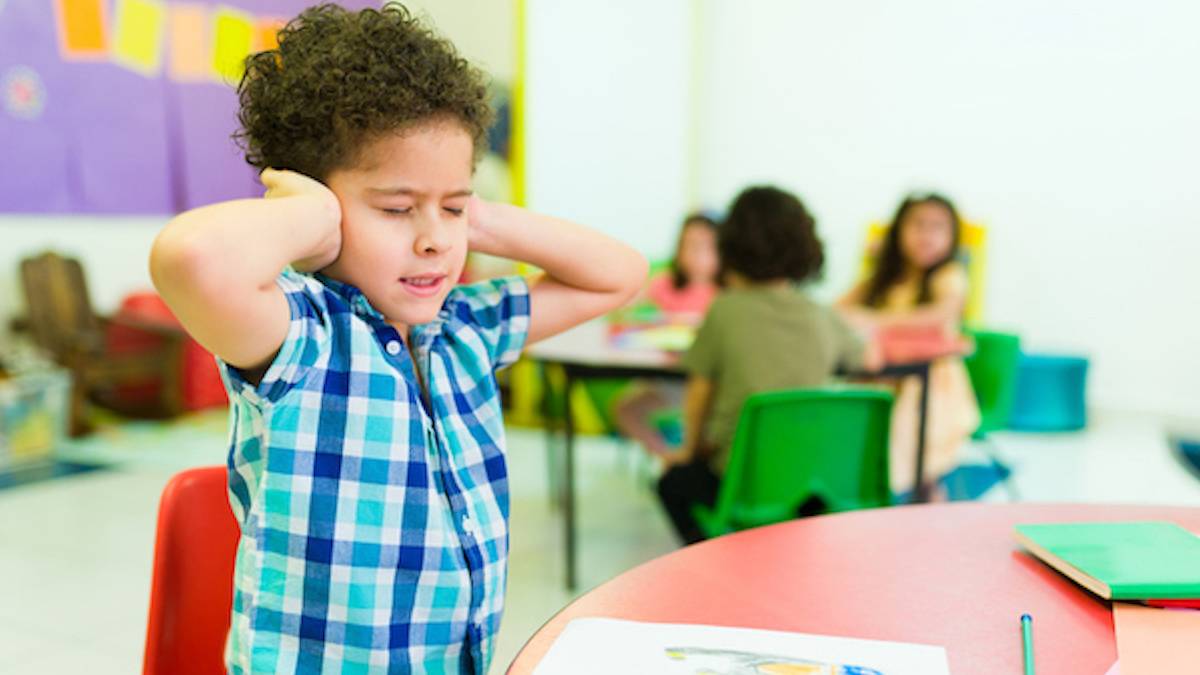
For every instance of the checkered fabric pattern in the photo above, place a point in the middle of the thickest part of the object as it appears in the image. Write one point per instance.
(374, 533)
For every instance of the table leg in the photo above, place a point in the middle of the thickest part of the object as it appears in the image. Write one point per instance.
(551, 419)
(920, 493)
(569, 480)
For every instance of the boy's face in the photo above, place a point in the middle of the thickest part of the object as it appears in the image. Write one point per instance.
(404, 223)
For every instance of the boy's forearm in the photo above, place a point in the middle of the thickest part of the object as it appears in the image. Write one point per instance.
(570, 253)
(697, 401)
(243, 243)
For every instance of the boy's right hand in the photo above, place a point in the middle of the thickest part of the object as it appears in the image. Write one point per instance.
(286, 183)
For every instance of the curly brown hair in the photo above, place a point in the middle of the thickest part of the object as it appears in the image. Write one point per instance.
(769, 235)
(340, 79)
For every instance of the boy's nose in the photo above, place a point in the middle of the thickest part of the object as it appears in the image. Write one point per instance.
(431, 240)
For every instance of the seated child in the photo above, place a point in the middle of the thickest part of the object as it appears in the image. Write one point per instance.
(918, 284)
(763, 333)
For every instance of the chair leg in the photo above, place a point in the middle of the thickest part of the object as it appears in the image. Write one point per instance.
(554, 483)
(991, 449)
(79, 425)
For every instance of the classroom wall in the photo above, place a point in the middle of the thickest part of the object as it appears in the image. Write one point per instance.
(607, 115)
(1071, 129)
(484, 32)
(114, 249)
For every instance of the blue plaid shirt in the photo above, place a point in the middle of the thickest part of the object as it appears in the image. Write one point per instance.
(374, 524)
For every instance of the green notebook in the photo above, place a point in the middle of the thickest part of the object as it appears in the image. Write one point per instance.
(1121, 561)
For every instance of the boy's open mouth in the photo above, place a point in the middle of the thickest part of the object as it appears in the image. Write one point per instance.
(424, 285)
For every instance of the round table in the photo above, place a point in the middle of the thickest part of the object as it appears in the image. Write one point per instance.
(938, 574)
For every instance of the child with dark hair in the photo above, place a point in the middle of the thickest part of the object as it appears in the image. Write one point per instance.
(762, 333)
(685, 290)
(367, 466)
(918, 283)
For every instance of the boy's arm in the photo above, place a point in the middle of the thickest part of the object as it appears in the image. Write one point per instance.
(216, 266)
(586, 273)
(697, 404)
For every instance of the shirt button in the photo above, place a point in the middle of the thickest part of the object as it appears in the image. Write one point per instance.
(468, 525)
(393, 347)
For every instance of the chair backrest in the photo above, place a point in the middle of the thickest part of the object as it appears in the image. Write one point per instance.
(191, 595)
(56, 297)
(993, 369)
(792, 446)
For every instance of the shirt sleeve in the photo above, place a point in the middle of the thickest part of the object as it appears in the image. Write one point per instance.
(950, 283)
(307, 338)
(498, 309)
(659, 290)
(849, 344)
(703, 358)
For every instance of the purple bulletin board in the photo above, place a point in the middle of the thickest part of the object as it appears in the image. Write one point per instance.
(127, 106)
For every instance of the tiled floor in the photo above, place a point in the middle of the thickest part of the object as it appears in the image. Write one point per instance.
(75, 553)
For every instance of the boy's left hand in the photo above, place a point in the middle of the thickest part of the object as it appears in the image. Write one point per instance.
(585, 273)
(480, 227)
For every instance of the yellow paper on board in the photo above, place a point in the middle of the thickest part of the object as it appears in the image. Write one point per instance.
(233, 39)
(138, 38)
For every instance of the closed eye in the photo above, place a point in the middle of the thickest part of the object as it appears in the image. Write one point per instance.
(397, 212)
(457, 212)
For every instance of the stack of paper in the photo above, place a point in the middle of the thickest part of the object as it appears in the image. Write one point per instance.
(608, 646)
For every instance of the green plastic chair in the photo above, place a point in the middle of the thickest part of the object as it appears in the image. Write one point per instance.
(603, 394)
(793, 446)
(993, 372)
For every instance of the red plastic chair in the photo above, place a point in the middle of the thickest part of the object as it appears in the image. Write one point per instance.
(192, 592)
(198, 382)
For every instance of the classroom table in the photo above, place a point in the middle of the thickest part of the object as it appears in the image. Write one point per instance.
(587, 352)
(940, 574)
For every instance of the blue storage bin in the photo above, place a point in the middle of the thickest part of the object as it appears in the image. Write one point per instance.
(1051, 393)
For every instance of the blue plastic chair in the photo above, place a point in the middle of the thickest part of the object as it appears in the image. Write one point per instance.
(1051, 393)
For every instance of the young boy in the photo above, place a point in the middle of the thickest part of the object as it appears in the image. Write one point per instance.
(367, 465)
(762, 333)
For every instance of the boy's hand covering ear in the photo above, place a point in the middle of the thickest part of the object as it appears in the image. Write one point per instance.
(285, 183)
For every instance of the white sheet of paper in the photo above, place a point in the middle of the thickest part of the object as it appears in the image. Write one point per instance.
(607, 646)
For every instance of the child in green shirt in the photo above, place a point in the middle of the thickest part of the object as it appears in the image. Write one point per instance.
(763, 333)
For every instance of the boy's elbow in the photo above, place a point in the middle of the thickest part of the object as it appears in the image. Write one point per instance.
(178, 260)
(635, 280)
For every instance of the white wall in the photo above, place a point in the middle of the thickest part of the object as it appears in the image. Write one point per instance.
(607, 115)
(1071, 129)
(483, 31)
(114, 252)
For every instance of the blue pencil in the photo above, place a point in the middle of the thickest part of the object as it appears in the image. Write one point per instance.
(1027, 639)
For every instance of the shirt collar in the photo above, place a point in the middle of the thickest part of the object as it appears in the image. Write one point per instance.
(359, 304)
(354, 298)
